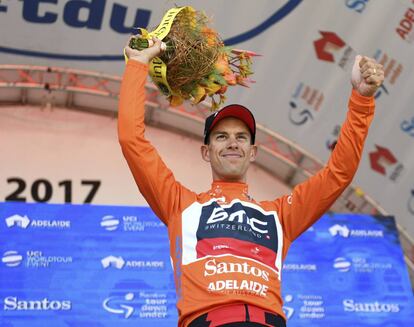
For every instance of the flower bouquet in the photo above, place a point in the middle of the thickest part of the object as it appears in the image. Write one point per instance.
(195, 63)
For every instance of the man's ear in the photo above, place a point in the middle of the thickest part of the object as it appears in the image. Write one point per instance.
(253, 153)
(205, 154)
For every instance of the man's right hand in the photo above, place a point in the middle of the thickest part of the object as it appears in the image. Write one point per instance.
(146, 55)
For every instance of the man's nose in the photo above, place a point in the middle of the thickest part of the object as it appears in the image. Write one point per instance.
(232, 142)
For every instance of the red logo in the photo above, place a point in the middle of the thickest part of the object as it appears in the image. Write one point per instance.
(328, 43)
(381, 158)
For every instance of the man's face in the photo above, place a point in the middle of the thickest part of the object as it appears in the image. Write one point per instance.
(229, 151)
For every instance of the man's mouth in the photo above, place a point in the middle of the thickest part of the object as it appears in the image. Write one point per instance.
(232, 155)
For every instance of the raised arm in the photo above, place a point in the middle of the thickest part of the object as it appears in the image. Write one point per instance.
(312, 198)
(155, 181)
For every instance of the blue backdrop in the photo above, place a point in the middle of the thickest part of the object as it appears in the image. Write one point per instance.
(84, 265)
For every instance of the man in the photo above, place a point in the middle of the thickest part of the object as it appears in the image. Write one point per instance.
(228, 249)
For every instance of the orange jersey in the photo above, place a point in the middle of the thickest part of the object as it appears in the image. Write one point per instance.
(227, 248)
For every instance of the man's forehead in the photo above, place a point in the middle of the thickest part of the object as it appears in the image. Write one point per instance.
(230, 123)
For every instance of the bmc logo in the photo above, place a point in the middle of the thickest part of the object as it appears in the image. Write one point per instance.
(237, 221)
(219, 214)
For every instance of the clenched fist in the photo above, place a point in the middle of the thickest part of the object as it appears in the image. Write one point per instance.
(146, 55)
(367, 75)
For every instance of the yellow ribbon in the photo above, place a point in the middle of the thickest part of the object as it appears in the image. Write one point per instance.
(157, 68)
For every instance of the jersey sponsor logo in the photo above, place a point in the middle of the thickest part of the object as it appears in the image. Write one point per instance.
(239, 230)
(212, 268)
(239, 222)
(244, 286)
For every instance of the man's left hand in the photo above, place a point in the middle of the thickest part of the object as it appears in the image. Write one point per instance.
(367, 75)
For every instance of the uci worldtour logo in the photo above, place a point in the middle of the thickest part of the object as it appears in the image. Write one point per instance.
(128, 223)
(359, 265)
(110, 223)
(12, 258)
(99, 15)
(25, 222)
(33, 259)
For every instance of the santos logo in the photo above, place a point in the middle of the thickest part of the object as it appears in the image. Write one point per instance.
(24, 222)
(370, 307)
(12, 303)
(12, 258)
(213, 268)
(344, 231)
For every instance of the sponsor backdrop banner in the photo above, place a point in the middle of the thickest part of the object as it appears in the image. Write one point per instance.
(84, 265)
(302, 78)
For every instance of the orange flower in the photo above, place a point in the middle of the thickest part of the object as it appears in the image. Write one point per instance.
(222, 90)
(176, 100)
(198, 94)
(242, 80)
(230, 78)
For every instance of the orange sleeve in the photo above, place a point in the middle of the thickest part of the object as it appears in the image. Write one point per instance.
(155, 181)
(312, 198)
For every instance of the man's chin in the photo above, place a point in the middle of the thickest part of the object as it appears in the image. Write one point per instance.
(233, 176)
